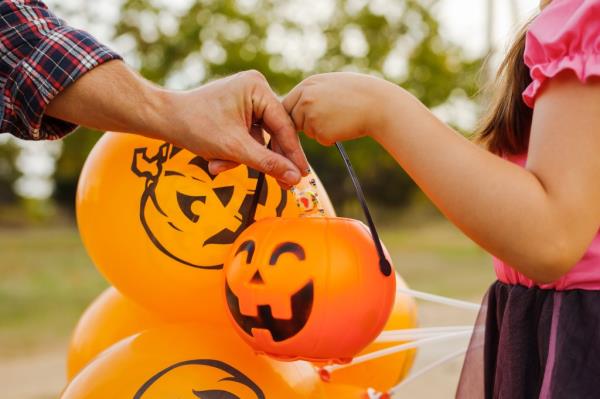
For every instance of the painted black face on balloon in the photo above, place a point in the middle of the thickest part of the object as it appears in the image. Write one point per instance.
(200, 379)
(263, 312)
(190, 215)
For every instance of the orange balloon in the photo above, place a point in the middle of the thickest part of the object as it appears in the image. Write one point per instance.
(191, 362)
(337, 391)
(307, 288)
(158, 225)
(387, 371)
(110, 318)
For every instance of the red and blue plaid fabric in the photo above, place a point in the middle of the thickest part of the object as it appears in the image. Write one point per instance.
(39, 56)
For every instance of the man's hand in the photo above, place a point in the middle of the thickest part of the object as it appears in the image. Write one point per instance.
(222, 121)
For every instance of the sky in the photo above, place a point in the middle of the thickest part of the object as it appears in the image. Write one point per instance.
(465, 21)
(462, 21)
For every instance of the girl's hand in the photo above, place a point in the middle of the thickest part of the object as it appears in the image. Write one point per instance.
(338, 106)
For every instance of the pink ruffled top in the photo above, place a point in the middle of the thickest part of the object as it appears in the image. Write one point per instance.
(565, 36)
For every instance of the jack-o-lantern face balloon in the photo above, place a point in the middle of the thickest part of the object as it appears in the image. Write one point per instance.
(184, 207)
(191, 361)
(308, 288)
(227, 382)
(158, 225)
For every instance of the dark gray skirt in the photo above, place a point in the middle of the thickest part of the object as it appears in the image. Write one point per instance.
(532, 343)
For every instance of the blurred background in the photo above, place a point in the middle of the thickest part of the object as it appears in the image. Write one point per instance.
(443, 51)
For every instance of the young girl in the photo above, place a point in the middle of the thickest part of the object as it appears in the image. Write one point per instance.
(531, 198)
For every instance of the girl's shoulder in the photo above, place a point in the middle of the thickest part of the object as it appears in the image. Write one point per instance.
(565, 36)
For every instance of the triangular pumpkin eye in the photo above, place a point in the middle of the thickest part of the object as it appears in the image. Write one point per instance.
(215, 394)
(224, 194)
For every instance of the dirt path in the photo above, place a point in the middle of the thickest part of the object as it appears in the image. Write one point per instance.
(36, 376)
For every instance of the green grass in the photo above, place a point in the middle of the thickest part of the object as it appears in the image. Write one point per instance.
(47, 279)
(436, 257)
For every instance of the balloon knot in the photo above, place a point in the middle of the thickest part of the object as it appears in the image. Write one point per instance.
(324, 374)
(373, 394)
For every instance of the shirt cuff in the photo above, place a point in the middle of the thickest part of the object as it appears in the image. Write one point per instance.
(61, 57)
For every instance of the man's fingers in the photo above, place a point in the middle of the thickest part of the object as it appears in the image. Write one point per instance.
(277, 149)
(279, 124)
(217, 166)
(275, 146)
(260, 158)
(257, 132)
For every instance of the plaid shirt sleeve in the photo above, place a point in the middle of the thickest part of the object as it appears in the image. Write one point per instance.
(39, 57)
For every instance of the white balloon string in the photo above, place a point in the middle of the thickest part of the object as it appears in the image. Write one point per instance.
(395, 349)
(410, 334)
(427, 369)
(457, 303)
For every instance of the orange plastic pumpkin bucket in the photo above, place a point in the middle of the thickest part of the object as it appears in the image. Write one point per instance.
(307, 288)
(313, 288)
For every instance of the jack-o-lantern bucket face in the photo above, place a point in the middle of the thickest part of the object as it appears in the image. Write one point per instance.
(308, 288)
(158, 225)
(268, 307)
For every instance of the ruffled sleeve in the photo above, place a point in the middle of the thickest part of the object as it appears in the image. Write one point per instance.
(565, 36)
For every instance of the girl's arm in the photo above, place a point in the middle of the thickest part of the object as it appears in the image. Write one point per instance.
(539, 219)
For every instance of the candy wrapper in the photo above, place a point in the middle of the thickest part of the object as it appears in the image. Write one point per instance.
(307, 197)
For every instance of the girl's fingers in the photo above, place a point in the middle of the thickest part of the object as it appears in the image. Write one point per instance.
(291, 99)
(294, 107)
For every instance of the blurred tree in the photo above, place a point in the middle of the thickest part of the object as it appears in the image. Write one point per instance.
(75, 150)
(182, 44)
(8, 171)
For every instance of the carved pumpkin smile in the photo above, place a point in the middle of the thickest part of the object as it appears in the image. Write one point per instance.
(283, 314)
(280, 329)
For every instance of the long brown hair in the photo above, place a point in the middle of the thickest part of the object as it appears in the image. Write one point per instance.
(505, 128)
